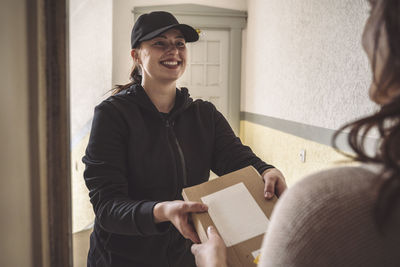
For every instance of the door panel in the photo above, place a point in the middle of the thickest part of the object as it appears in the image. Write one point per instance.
(206, 74)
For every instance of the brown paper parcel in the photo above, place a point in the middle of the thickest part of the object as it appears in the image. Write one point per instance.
(241, 253)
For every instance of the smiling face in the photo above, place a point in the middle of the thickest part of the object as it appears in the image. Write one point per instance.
(163, 58)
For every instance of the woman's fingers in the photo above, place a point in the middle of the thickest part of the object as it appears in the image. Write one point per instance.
(195, 249)
(190, 206)
(189, 233)
(212, 233)
(280, 187)
(274, 183)
(211, 253)
(188, 230)
(269, 186)
(179, 214)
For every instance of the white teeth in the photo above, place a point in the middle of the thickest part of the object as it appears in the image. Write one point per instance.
(171, 63)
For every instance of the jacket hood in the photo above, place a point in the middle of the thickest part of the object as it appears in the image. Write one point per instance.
(137, 94)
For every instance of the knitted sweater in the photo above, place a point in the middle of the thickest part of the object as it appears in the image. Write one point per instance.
(327, 220)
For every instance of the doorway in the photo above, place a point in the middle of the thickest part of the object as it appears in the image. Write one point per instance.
(213, 74)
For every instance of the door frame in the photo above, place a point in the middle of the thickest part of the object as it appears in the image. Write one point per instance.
(49, 114)
(234, 21)
(47, 24)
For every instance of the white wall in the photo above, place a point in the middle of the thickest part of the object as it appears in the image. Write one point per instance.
(123, 23)
(15, 222)
(304, 61)
(90, 46)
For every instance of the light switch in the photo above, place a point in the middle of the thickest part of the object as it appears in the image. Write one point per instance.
(302, 155)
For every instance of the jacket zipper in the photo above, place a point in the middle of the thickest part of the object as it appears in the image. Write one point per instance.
(182, 162)
(180, 152)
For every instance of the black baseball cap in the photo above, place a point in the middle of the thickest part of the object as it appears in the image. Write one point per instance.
(153, 24)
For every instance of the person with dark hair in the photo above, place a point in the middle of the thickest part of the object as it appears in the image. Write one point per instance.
(348, 216)
(148, 141)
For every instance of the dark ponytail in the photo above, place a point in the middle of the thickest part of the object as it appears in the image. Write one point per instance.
(135, 77)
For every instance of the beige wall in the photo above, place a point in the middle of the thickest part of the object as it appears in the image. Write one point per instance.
(15, 222)
(282, 150)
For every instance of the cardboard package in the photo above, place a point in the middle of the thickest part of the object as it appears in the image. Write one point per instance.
(237, 209)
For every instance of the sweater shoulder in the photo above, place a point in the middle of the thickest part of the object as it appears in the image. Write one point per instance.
(327, 219)
(332, 181)
(331, 190)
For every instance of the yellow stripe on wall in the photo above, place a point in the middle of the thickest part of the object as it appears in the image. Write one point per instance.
(283, 151)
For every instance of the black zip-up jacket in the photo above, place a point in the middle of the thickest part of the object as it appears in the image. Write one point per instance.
(137, 157)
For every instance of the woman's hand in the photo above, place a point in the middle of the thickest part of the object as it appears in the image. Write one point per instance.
(274, 183)
(178, 213)
(211, 253)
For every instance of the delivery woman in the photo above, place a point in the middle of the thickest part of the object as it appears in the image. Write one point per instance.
(148, 141)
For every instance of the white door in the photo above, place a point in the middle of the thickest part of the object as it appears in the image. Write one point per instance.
(206, 74)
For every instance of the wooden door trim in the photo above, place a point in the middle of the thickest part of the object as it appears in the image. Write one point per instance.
(49, 127)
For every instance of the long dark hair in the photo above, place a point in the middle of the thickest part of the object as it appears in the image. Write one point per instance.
(387, 119)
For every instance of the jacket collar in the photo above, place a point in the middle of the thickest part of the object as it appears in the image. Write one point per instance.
(140, 97)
